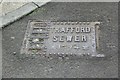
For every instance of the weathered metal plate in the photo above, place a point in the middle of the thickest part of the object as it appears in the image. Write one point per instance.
(71, 38)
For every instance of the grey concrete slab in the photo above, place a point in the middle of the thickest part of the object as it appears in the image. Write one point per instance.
(85, 0)
(42, 2)
(9, 15)
(1, 1)
(0, 54)
(10, 6)
(20, 66)
(18, 13)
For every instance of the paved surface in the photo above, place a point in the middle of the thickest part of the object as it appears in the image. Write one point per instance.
(11, 11)
(10, 6)
(0, 54)
(18, 13)
(19, 66)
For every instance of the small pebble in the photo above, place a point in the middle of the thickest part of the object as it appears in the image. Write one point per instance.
(100, 55)
(12, 37)
(14, 53)
(35, 40)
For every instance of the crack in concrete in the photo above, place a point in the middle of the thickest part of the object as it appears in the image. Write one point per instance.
(35, 4)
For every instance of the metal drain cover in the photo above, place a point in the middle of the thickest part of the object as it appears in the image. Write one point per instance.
(61, 38)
